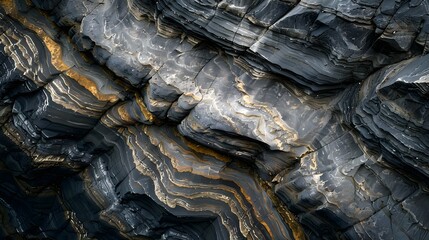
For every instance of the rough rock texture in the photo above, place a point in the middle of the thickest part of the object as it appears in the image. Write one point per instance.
(262, 119)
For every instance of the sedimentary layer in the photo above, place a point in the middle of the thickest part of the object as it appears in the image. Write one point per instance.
(186, 119)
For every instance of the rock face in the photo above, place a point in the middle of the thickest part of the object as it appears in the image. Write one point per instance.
(262, 119)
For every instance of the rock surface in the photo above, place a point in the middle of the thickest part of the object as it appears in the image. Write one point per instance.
(262, 119)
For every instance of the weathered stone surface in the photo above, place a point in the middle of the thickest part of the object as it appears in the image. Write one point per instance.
(392, 113)
(261, 119)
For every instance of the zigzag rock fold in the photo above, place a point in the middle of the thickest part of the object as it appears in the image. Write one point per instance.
(262, 119)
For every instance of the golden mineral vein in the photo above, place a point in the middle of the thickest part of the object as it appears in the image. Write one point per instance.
(56, 53)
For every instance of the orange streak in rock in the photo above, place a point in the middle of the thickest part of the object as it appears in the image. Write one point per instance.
(56, 53)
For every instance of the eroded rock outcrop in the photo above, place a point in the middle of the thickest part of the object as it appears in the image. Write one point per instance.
(186, 119)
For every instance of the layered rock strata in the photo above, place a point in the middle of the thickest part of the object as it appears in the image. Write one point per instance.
(186, 119)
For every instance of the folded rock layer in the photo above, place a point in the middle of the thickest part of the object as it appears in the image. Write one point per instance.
(260, 119)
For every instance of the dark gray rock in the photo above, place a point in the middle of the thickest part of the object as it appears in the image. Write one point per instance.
(260, 119)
